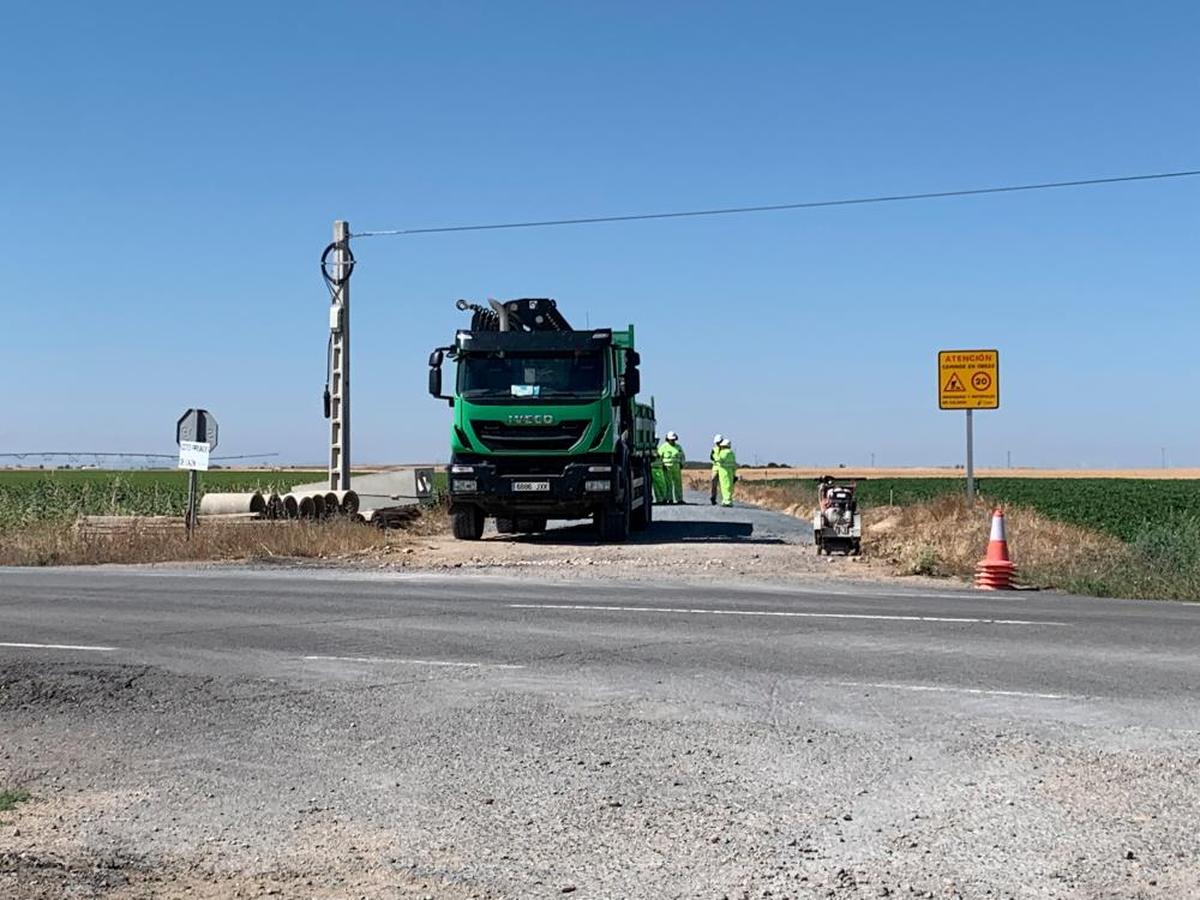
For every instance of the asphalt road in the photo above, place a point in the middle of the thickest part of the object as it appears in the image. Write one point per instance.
(455, 736)
(754, 522)
(696, 521)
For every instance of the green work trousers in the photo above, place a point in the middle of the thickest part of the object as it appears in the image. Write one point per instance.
(673, 473)
(727, 477)
(658, 482)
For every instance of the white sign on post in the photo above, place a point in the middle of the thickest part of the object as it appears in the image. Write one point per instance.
(194, 455)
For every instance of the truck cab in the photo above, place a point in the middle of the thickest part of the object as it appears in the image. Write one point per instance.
(545, 423)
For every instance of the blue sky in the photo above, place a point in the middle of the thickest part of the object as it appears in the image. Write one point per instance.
(170, 174)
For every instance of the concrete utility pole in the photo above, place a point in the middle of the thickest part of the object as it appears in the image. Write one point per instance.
(339, 360)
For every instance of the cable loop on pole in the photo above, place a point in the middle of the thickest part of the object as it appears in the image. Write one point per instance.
(346, 263)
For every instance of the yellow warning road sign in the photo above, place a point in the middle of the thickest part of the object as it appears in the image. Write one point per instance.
(969, 379)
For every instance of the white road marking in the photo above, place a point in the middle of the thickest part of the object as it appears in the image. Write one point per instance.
(939, 689)
(57, 647)
(782, 614)
(414, 662)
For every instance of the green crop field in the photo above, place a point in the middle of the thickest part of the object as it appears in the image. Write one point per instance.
(28, 496)
(1123, 507)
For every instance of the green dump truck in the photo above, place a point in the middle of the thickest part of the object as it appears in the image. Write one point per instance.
(546, 423)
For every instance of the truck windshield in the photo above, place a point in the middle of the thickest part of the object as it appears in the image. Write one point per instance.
(531, 376)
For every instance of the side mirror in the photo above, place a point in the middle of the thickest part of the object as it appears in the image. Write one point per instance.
(631, 383)
(435, 374)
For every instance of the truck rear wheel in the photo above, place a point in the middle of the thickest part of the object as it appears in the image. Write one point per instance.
(466, 522)
(643, 512)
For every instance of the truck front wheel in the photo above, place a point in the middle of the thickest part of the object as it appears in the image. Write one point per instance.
(612, 522)
(466, 522)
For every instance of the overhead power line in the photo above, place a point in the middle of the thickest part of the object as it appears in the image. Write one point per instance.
(778, 207)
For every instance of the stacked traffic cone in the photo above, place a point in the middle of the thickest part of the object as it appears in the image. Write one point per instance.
(996, 571)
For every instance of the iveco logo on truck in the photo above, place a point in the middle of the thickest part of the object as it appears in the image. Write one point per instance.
(531, 420)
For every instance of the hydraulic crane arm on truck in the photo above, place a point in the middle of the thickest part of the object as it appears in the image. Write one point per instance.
(546, 423)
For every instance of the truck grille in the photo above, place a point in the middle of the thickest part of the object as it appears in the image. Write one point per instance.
(499, 436)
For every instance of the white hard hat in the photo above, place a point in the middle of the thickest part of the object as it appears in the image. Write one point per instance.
(717, 438)
(672, 436)
(726, 442)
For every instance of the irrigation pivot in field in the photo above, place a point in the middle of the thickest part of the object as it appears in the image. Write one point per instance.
(969, 380)
(196, 435)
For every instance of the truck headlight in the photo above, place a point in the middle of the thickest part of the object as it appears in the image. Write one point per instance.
(464, 485)
(597, 486)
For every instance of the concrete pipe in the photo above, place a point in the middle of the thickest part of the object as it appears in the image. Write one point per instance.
(299, 506)
(228, 504)
(333, 504)
(275, 507)
(318, 502)
(347, 501)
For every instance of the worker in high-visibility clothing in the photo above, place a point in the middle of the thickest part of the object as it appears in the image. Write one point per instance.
(726, 464)
(672, 460)
(716, 479)
(658, 477)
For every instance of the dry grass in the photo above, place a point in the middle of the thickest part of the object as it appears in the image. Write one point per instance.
(946, 536)
(798, 499)
(56, 544)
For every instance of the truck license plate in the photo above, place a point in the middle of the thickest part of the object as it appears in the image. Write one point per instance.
(531, 486)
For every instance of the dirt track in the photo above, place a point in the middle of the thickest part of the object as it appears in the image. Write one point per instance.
(695, 541)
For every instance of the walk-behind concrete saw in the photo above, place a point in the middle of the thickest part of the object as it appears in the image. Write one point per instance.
(837, 523)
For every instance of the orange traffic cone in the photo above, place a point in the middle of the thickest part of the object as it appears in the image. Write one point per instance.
(996, 571)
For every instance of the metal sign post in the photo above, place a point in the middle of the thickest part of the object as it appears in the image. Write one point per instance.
(969, 380)
(970, 456)
(196, 435)
(189, 513)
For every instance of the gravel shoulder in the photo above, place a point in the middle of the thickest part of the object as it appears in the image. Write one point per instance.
(695, 542)
(449, 786)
